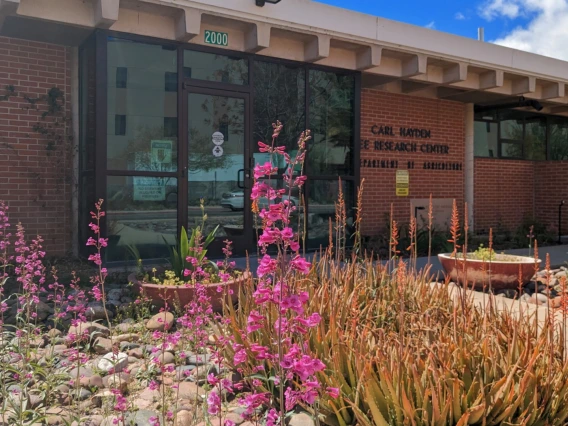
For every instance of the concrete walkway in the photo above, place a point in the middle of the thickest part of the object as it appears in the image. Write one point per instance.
(558, 257)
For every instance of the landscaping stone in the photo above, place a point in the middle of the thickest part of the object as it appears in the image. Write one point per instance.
(102, 345)
(112, 362)
(114, 294)
(301, 419)
(92, 329)
(126, 346)
(160, 322)
(166, 358)
(191, 391)
(199, 359)
(138, 418)
(183, 372)
(96, 311)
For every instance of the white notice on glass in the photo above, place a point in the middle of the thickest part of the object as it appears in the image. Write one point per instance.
(217, 151)
(218, 138)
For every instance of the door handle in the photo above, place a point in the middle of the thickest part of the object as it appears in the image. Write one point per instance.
(240, 183)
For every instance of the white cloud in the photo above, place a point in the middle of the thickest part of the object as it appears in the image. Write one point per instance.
(431, 25)
(546, 31)
(459, 16)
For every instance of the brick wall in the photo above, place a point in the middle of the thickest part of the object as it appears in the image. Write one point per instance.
(35, 148)
(503, 193)
(444, 119)
(551, 187)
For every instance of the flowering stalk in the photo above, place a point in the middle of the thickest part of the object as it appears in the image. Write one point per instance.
(98, 280)
(294, 369)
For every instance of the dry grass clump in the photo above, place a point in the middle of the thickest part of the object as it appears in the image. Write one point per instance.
(403, 352)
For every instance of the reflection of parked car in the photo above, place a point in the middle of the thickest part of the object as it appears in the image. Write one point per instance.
(235, 200)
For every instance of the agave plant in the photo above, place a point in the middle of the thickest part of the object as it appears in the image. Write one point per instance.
(194, 247)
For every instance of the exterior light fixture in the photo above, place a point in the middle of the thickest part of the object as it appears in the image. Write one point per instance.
(261, 3)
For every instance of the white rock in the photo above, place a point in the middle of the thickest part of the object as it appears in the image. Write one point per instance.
(111, 361)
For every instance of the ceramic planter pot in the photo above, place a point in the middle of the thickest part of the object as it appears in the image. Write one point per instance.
(504, 272)
(182, 295)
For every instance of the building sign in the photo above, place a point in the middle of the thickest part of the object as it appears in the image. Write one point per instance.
(405, 140)
(217, 151)
(217, 38)
(161, 153)
(218, 138)
(402, 183)
(149, 189)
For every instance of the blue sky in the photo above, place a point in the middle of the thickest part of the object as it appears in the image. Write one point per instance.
(540, 26)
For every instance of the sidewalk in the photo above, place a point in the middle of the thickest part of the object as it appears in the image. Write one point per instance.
(558, 258)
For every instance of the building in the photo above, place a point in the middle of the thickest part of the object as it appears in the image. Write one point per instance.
(153, 105)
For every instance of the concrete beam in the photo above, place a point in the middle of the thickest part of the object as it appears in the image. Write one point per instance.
(257, 38)
(491, 79)
(523, 85)
(559, 109)
(106, 13)
(553, 90)
(369, 58)
(455, 73)
(416, 65)
(408, 87)
(317, 48)
(7, 8)
(188, 24)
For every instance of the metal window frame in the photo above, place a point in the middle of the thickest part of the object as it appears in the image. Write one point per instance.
(101, 171)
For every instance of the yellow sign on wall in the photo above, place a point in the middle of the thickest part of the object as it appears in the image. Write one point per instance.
(402, 183)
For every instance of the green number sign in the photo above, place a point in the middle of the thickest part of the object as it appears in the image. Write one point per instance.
(217, 38)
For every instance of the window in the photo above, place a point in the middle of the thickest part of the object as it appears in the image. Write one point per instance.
(218, 68)
(141, 108)
(120, 125)
(121, 77)
(332, 116)
(171, 81)
(510, 134)
(558, 137)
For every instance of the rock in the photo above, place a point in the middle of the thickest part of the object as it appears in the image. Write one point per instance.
(127, 337)
(511, 294)
(94, 420)
(136, 353)
(162, 321)
(191, 391)
(556, 302)
(54, 333)
(124, 327)
(81, 371)
(116, 382)
(199, 359)
(541, 298)
(111, 362)
(114, 294)
(93, 381)
(183, 418)
(166, 358)
(561, 274)
(102, 345)
(95, 311)
(183, 372)
(534, 300)
(126, 300)
(90, 329)
(126, 346)
(138, 418)
(301, 419)
(35, 400)
(83, 394)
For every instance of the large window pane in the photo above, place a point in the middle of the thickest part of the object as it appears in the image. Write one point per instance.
(141, 211)
(279, 94)
(535, 138)
(87, 89)
(323, 195)
(332, 122)
(486, 139)
(142, 107)
(511, 125)
(558, 134)
(512, 150)
(214, 67)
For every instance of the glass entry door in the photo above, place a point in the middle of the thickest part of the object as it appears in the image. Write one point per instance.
(218, 168)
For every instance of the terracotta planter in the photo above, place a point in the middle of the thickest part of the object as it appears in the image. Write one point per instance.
(504, 272)
(183, 295)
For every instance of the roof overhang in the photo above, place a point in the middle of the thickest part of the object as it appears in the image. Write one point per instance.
(392, 56)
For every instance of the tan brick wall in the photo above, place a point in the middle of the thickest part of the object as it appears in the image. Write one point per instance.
(35, 148)
(444, 119)
(551, 187)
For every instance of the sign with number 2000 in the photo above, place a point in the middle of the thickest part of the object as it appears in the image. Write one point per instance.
(217, 38)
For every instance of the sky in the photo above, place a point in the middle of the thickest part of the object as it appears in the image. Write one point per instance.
(538, 26)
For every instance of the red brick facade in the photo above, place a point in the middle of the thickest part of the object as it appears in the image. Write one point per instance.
(444, 120)
(35, 146)
(504, 193)
(551, 187)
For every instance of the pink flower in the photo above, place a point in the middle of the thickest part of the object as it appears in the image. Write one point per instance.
(213, 403)
(266, 266)
(262, 170)
(300, 264)
(240, 357)
(332, 392)
(254, 321)
(287, 233)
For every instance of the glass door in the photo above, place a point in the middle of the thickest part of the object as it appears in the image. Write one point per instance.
(218, 166)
